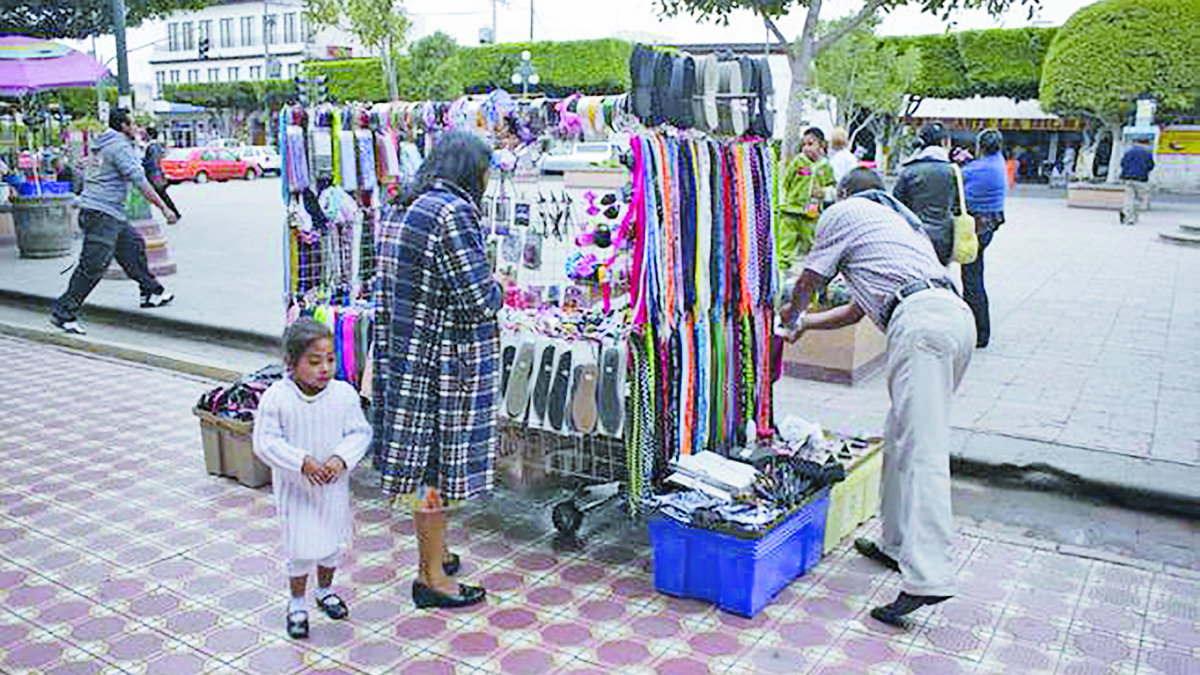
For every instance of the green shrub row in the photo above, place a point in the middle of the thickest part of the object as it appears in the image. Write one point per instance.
(993, 62)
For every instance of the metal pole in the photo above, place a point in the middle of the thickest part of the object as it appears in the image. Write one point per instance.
(118, 10)
(531, 21)
(266, 43)
(494, 21)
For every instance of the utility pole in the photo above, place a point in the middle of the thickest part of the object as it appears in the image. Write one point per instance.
(124, 100)
(494, 21)
(266, 43)
(530, 21)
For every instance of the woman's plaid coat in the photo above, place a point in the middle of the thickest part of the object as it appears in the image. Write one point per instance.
(437, 347)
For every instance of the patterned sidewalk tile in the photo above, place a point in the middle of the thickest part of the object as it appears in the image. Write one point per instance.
(118, 555)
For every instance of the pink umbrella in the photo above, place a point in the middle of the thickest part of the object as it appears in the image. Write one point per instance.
(30, 64)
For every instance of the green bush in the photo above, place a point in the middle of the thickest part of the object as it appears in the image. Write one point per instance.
(995, 62)
(237, 95)
(1109, 53)
(588, 66)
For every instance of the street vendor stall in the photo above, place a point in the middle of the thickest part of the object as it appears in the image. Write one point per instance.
(41, 213)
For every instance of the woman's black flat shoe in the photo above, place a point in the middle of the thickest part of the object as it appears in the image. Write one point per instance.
(451, 564)
(425, 597)
(334, 607)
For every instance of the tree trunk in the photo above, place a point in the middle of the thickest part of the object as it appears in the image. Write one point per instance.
(1114, 158)
(389, 70)
(794, 127)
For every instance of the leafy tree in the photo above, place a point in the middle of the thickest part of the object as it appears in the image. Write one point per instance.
(380, 25)
(433, 68)
(77, 19)
(870, 78)
(1109, 54)
(813, 41)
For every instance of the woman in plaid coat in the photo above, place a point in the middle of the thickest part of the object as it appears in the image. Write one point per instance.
(437, 345)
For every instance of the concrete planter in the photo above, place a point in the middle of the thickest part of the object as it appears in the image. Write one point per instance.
(43, 224)
(1102, 196)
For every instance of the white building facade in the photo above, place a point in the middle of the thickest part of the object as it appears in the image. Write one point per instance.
(247, 40)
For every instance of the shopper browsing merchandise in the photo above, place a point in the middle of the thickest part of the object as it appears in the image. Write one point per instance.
(105, 225)
(311, 432)
(896, 279)
(437, 346)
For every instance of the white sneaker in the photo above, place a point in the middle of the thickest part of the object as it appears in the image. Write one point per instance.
(73, 327)
(158, 299)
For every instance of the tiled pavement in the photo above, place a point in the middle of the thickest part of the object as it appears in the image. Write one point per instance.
(119, 555)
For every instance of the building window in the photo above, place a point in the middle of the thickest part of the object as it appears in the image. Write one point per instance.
(189, 38)
(269, 33)
(174, 76)
(255, 72)
(293, 69)
(214, 74)
(232, 72)
(193, 75)
(173, 37)
(160, 78)
(226, 33)
(206, 30)
(248, 31)
(289, 28)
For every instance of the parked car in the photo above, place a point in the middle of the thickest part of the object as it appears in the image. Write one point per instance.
(264, 157)
(580, 156)
(205, 164)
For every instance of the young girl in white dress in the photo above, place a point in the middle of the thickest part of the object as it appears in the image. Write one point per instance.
(311, 431)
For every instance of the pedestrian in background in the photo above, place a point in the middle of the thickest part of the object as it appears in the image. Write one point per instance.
(985, 180)
(1136, 165)
(928, 187)
(311, 431)
(841, 159)
(436, 366)
(805, 180)
(105, 225)
(152, 163)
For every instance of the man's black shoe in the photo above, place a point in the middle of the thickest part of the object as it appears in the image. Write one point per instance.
(869, 549)
(905, 604)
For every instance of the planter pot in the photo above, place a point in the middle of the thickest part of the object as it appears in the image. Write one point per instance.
(1104, 196)
(43, 224)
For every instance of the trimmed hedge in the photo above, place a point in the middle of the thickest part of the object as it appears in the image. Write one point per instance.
(588, 66)
(994, 62)
(1109, 53)
(238, 95)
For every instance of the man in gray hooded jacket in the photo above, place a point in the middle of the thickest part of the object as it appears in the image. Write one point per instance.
(105, 225)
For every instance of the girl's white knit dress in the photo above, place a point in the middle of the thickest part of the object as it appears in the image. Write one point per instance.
(316, 519)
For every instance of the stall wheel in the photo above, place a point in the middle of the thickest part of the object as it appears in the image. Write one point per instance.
(567, 517)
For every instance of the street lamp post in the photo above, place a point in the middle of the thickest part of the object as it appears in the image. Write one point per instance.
(526, 74)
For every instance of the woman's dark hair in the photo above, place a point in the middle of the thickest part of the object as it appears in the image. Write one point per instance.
(816, 133)
(117, 119)
(461, 158)
(932, 134)
(859, 180)
(298, 336)
(990, 142)
(152, 133)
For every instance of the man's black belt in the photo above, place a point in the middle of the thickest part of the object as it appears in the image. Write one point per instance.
(913, 288)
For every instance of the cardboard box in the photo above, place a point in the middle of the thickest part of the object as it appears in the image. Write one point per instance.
(844, 356)
(229, 449)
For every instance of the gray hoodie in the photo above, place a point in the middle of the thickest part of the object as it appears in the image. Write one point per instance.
(114, 165)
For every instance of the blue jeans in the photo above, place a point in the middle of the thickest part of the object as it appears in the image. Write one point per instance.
(103, 238)
(974, 294)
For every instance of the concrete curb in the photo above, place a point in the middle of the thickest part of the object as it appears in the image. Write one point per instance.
(138, 355)
(230, 337)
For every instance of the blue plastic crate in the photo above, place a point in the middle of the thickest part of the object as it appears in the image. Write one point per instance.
(46, 187)
(739, 575)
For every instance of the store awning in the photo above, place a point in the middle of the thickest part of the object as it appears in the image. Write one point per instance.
(169, 108)
(992, 112)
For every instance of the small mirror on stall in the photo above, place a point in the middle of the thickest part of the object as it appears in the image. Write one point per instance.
(522, 214)
(502, 218)
(492, 245)
(510, 248)
(533, 250)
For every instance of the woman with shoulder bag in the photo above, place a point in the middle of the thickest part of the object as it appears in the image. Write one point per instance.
(986, 185)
